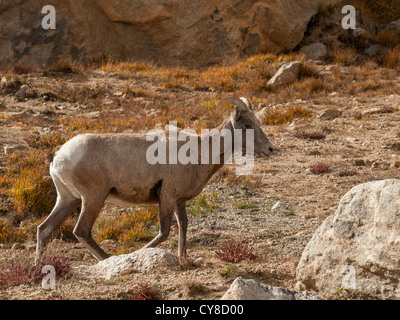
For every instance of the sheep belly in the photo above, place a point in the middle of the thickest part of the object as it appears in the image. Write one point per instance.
(128, 201)
(136, 196)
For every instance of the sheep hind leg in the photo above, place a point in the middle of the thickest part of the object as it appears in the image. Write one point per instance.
(66, 204)
(165, 213)
(56, 218)
(181, 216)
(83, 229)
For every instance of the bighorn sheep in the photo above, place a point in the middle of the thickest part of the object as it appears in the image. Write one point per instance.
(92, 169)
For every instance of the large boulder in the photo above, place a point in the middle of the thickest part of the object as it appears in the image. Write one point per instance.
(173, 32)
(358, 248)
(249, 289)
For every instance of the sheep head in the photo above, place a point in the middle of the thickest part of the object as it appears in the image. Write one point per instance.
(244, 119)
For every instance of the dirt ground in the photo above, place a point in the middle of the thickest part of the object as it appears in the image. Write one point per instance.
(355, 149)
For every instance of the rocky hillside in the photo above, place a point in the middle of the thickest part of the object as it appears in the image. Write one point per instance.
(172, 32)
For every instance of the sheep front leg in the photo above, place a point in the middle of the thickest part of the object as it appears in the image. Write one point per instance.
(181, 216)
(165, 213)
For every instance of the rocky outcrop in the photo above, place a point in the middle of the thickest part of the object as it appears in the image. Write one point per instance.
(249, 289)
(195, 33)
(357, 248)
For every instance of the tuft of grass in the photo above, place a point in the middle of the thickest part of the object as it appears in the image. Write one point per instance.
(275, 116)
(344, 56)
(391, 59)
(144, 291)
(244, 205)
(319, 168)
(230, 271)
(202, 206)
(234, 251)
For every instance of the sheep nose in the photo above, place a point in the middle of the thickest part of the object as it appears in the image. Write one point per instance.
(271, 149)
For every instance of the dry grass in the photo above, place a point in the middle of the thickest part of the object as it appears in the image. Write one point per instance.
(391, 59)
(11, 234)
(26, 182)
(387, 38)
(131, 227)
(344, 56)
(276, 116)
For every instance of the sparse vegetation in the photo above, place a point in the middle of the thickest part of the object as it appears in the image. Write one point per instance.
(276, 116)
(319, 168)
(144, 291)
(392, 58)
(21, 269)
(234, 251)
(130, 227)
(11, 234)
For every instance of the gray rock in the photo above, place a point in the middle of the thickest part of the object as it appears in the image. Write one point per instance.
(288, 73)
(315, 51)
(374, 50)
(362, 237)
(371, 111)
(143, 260)
(249, 289)
(330, 114)
(22, 92)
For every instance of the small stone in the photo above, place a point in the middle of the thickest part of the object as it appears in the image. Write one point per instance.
(315, 51)
(371, 111)
(22, 92)
(86, 257)
(199, 260)
(330, 114)
(374, 50)
(288, 73)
